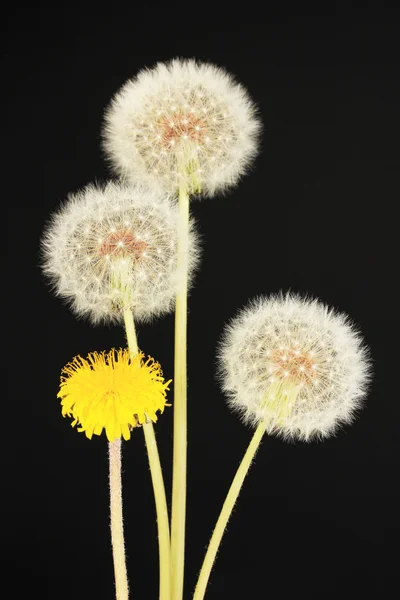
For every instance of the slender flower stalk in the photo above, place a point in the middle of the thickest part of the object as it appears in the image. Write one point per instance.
(164, 543)
(226, 512)
(130, 332)
(157, 480)
(116, 521)
(180, 407)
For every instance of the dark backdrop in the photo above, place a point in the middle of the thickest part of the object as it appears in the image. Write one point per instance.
(316, 215)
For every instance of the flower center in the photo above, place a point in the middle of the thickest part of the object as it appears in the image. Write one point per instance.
(291, 363)
(180, 127)
(122, 243)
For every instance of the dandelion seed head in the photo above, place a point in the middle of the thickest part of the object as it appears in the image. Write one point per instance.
(122, 260)
(294, 363)
(181, 116)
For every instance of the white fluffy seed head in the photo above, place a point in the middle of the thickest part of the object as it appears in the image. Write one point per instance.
(115, 247)
(294, 363)
(182, 124)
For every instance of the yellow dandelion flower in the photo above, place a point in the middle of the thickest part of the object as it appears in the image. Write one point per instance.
(112, 390)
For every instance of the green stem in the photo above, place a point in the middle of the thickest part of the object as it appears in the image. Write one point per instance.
(178, 515)
(226, 512)
(164, 543)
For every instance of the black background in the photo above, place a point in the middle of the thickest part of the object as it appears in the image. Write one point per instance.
(318, 215)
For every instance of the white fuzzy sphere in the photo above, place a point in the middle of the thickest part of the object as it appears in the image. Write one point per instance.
(294, 363)
(115, 247)
(182, 124)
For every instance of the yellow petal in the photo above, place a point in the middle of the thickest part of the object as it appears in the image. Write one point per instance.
(125, 431)
(110, 432)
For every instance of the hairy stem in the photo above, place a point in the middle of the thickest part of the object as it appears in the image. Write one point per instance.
(226, 512)
(157, 480)
(180, 409)
(117, 527)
